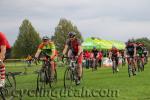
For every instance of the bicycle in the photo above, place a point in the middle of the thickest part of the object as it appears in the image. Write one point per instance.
(44, 74)
(123, 61)
(71, 73)
(131, 66)
(10, 85)
(145, 60)
(140, 65)
(114, 65)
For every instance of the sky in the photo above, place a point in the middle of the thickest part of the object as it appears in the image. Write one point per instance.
(106, 19)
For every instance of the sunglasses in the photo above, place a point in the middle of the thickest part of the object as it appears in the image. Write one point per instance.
(45, 40)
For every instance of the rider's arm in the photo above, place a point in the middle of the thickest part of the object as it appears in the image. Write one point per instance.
(118, 54)
(53, 50)
(135, 52)
(110, 54)
(2, 53)
(65, 49)
(80, 50)
(38, 53)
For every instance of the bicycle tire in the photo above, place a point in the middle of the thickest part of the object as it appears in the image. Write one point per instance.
(40, 82)
(68, 75)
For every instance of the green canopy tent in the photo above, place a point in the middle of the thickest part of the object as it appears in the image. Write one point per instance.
(89, 43)
(101, 44)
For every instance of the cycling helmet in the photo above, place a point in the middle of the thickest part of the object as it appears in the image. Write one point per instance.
(71, 34)
(45, 38)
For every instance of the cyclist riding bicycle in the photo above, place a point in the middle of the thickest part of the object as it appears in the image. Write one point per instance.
(75, 50)
(131, 52)
(145, 52)
(140, 51)
(47, 48)
(122, 53)
(114, 55)
(5, 50)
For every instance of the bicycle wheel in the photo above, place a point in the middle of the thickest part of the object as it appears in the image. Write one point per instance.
(55, 76)
(10, 82)
(41, 80)
(68, 78)
(114, 67)
(2, 96)
(123, 62)
(48, 75)
(140, 66)
(129, 70)
(10, 86)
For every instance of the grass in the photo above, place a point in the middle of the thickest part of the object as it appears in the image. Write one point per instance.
(134, 88)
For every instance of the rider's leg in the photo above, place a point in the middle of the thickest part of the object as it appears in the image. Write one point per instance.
(135, 63)
(52, 69)
(142, 58)
(80, 58)
(2, 74)
(117, 63)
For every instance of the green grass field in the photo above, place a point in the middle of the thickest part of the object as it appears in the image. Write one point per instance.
(134, 88)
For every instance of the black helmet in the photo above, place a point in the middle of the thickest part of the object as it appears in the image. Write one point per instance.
(131, 41)
(71, 34)
(45, 38)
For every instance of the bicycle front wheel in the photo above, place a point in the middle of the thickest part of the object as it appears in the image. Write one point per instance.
(10, 86)
(41, 81)
(68, 78)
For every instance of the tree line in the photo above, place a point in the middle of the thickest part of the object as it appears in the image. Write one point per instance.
(28, 38)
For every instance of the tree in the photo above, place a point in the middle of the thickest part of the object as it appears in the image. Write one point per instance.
(27, 40)
(61, 33)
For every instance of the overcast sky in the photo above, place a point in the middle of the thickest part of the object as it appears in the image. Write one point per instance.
(107, 19)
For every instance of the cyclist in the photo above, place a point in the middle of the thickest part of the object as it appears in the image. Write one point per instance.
(145, 52)
(87, 58)
(122, 53)
(131, 52)
(114, 55)
(47, 48)
(75, 50)
(140, 51)
(4, 53)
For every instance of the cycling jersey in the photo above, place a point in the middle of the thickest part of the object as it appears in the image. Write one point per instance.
(122, 53)
(139, 50)
(73, 45)
(130, 49)
(114, 52)
(4, 41)
(47, 49)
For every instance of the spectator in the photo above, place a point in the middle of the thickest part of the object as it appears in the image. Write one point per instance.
(87, 58)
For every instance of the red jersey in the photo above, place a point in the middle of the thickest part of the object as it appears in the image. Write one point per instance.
(4, 41)
(114, 51)
(73, 45)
